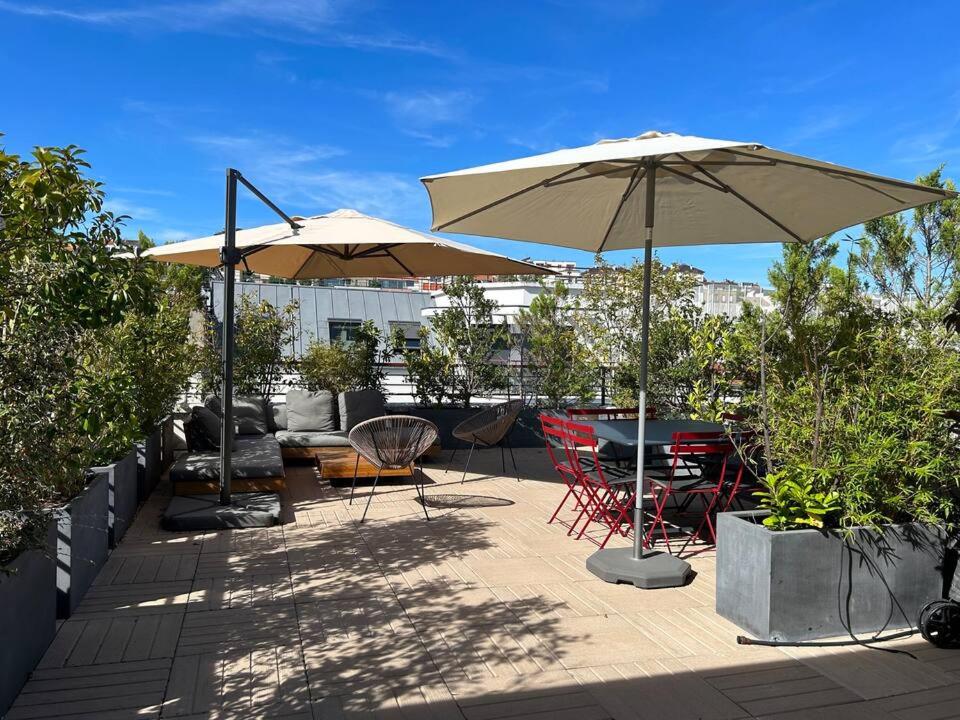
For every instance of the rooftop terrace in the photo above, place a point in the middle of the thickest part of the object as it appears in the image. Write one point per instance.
(482, 613)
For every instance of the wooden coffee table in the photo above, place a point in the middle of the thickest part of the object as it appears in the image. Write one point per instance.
(337, 464)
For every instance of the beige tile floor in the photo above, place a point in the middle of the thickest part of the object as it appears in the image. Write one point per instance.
(482, 613)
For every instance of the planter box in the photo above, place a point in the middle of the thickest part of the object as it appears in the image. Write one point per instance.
(123, 494)
(150, 462)
(82, 544)
(28, 617)
(525, 434)
(805, 584)
(169, 442)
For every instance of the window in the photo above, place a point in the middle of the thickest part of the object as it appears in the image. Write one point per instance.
(343, 330)
(411, 333)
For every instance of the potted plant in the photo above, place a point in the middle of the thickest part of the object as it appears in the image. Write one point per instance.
(853, 413)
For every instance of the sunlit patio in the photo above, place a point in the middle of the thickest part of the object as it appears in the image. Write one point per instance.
(484, 612)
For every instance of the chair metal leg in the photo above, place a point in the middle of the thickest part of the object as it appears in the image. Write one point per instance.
(469, 455)
(356, 467)
(452, 456)
(421, 491)
(372, 490)
(512, 458)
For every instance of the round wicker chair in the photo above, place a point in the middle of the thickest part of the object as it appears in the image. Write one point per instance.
(488, 428)
(392, 442)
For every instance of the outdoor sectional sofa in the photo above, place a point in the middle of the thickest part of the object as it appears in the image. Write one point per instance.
(268, 432)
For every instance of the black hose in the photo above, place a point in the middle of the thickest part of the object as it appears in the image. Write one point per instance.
(744, 640)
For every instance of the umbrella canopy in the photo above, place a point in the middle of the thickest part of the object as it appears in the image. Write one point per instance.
(696, 191)
(707, 192)
(344, 243)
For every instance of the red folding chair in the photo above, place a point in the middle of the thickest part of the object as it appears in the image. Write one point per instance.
(697, 470)
(562, 455)
(607, 500)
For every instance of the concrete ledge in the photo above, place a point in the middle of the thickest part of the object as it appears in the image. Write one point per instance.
(204, 512)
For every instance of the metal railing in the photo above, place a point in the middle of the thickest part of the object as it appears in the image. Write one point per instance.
(400, 391)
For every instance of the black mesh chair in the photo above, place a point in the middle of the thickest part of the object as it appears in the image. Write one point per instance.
(392, 442)
(489, 428)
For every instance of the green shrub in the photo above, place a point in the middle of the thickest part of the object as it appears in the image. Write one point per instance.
(337, 367)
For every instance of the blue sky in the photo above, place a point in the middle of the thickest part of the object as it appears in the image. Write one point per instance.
(342, 103)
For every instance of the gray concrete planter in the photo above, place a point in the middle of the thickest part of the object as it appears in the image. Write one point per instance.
(150, 462)
(805, 584)
(168, 442)
(82, 544)
(28, 617)
(123, 495)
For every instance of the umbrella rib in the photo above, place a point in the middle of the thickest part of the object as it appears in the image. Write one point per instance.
(613, 171)
(398, 262)
(635, 179)
(847, 173)
(749, 203)
(694, 178)
(511, 196)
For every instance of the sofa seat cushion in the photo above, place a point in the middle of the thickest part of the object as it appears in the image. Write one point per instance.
(293, 439)
(253, 457)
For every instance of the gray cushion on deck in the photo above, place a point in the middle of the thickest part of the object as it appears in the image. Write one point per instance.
(253, 457)
(291, 439)
(310, 411)
(359, 405)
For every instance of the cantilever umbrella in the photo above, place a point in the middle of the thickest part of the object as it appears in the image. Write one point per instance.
(344, 243)
(700, 191)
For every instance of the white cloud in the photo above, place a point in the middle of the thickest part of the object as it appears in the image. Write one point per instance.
(298, 177)
(422, 113)
(322, 22)
(137, 212)
(166, 235)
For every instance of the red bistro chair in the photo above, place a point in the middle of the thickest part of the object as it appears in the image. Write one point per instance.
(697, 469)
(562, 455)
(607, 500)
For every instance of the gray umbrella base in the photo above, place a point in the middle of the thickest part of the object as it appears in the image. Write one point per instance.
(654, 570)
(204, 512)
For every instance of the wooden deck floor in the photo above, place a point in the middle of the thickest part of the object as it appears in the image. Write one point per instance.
(485, 612)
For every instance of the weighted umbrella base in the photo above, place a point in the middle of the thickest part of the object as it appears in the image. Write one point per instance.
(204, 512)
(654, 570)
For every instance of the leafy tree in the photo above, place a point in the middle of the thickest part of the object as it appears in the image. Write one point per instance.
(429, 368)
(609, 322)
(913, 259)
(262, 334)
(337, 366)
(468, 337)
(555, 359)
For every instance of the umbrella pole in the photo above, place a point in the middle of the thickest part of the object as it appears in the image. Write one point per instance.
(228, 259)
(638, 527)
(642, 569)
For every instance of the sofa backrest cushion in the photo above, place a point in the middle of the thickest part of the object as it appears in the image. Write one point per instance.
(308, 410)
(359, 405)
(249, 413)
(202, 430)
(276, 416)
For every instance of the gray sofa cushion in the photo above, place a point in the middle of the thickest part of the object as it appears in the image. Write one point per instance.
(253, 457)
(310, 411)
(359, 405)
(276, 416)
(291, 439)
(202, 430)
(249, 413)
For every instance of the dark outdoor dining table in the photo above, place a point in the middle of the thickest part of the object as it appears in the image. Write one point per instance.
(656, 432)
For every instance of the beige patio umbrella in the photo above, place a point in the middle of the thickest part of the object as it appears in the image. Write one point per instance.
(344, 243)
(699, 191)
